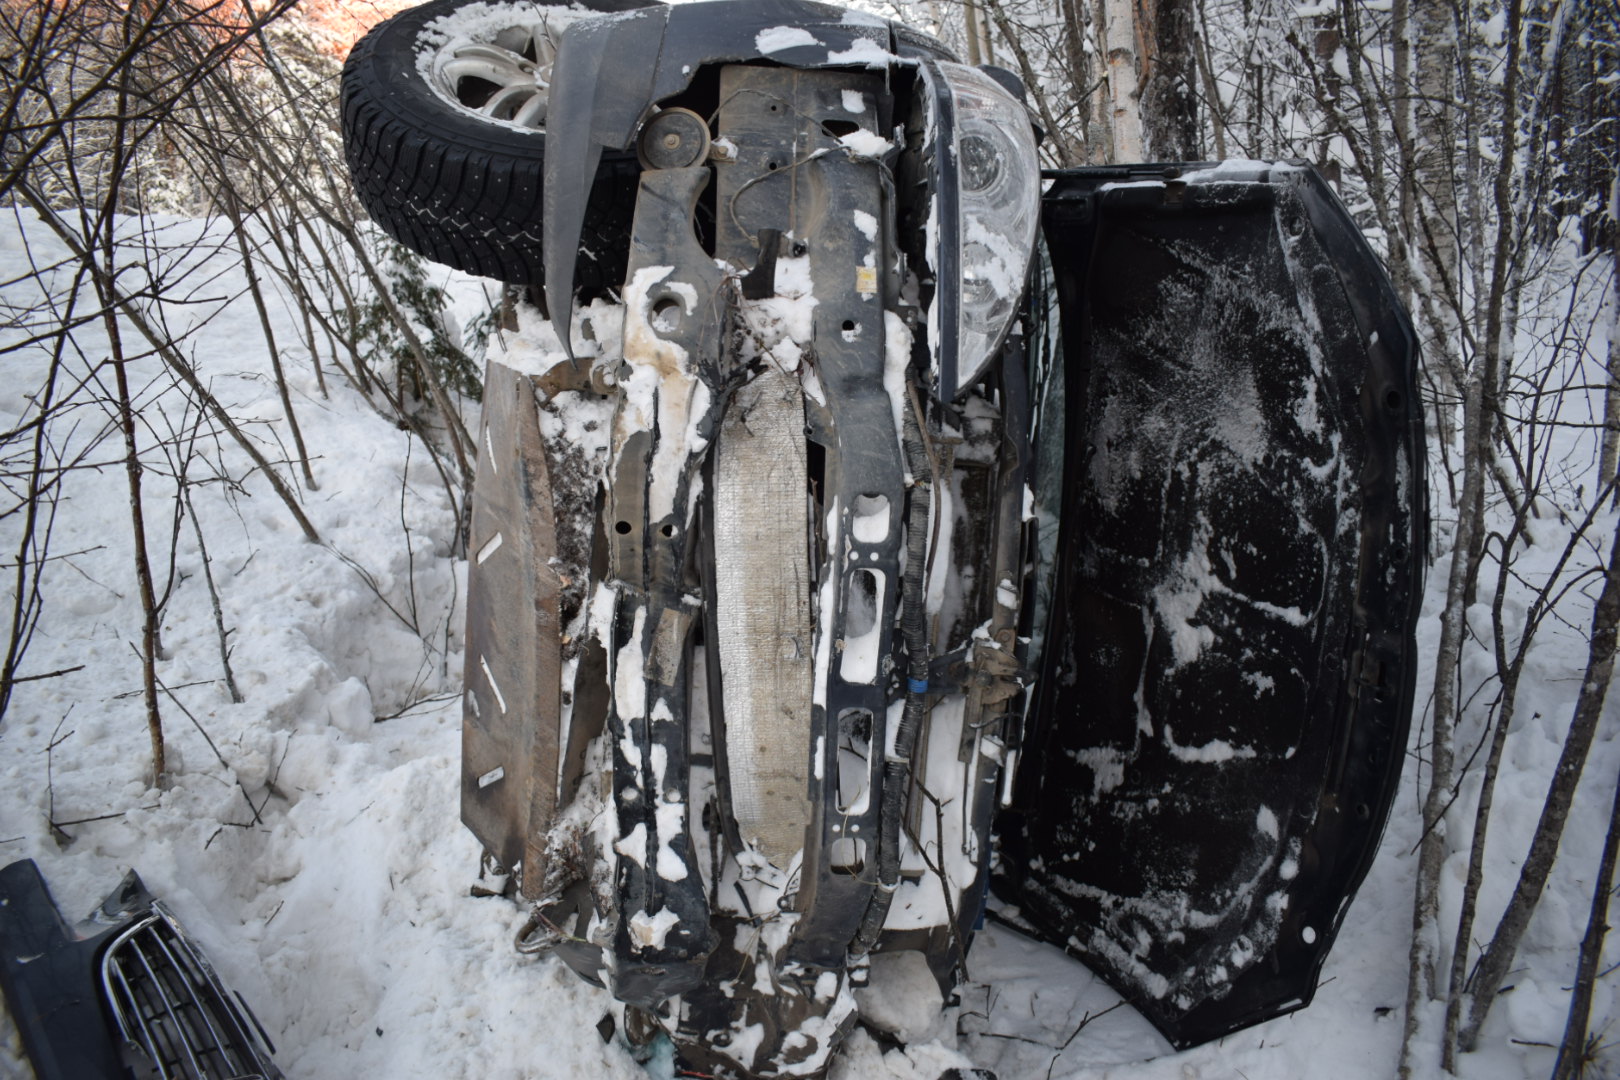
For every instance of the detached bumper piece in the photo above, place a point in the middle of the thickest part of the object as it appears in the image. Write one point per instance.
(124, 995)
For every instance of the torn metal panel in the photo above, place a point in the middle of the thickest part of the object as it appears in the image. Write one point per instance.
(512, 706)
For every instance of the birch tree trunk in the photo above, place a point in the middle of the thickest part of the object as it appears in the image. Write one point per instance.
(1401, 121)
(1433, 175)
(1610, 459)
(1423, 979)
(1572, 1053)
(1119, 29)
(1433, 154)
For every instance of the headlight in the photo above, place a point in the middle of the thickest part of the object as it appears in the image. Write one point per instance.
(986, 212)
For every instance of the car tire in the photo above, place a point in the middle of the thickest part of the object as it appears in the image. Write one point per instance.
(438, 166)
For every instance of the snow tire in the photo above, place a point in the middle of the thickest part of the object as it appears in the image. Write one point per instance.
(459, 187)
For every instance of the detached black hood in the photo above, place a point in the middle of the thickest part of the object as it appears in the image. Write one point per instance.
(1223, 700)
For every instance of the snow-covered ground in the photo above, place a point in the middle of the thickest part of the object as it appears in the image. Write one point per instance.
(319, 858)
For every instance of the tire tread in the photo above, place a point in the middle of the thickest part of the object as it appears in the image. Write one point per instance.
(471, 204)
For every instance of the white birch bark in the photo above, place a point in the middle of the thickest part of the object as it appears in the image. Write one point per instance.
(1119, 28)
(1611, 396)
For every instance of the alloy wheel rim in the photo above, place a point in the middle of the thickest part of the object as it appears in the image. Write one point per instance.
(505, 78)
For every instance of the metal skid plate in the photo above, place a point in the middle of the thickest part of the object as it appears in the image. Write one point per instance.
(512, 708)
(764, 634)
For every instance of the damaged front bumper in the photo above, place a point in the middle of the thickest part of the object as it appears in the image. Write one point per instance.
(123, 995)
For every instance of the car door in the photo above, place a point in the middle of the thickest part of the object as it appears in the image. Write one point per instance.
(1231, 493)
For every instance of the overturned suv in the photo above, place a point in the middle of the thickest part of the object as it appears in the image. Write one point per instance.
(879, 523)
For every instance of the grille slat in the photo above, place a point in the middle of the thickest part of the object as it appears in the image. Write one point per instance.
(127, 998)
(217, 1044)
(157, 1006)
(171, 1009)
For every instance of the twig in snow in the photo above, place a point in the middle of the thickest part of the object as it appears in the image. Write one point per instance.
(275, 773)
(1078, 1028)
(370, 581)
(257, 820)
(194, 721)
(50, 778)
(178, 686)
(937, 868)
(1012, 1037)
(1062, 1048)
(53, 558)
(49, 674)
(213, 599)
(410, 553)
(98, 817)
(434, 700)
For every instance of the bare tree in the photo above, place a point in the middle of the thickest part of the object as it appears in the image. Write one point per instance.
(220, 109)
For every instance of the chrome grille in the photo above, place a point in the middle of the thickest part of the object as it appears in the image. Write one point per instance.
(176, 1020)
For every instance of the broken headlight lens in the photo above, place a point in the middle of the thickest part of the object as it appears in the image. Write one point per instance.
(997, 207)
